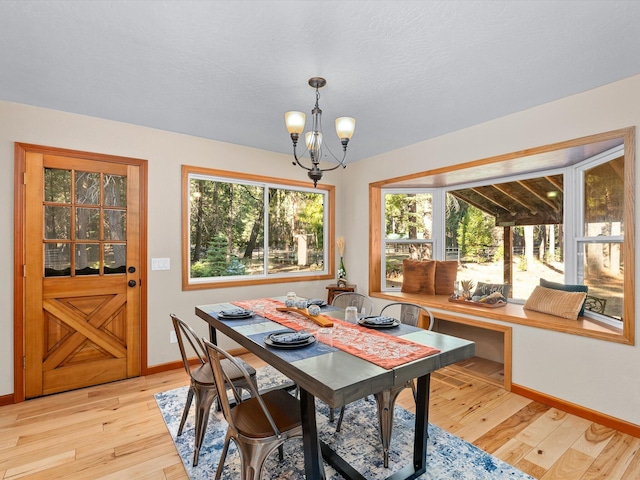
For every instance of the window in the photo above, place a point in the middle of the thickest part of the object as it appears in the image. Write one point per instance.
(600, 238)
(253, 230)
(408, 226)
(556, 212)
(527, 211)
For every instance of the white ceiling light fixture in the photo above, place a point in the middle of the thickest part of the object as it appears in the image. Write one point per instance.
(295, 122)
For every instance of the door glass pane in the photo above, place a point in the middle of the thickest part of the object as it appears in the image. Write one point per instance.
(57, 223)
(115, 224)
(115, 190)
(57, 185)
(88, 188)
(115, 258)
(87, 224)
(87, 258)
(604, 199)
(57, 259)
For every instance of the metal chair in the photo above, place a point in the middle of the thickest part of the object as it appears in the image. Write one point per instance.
(408, 314)
(202, 382)
(352, 299)
(258, 425)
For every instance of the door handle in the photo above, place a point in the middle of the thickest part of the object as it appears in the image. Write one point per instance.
(132, 283)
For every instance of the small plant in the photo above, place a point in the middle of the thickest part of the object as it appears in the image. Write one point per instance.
(466, 286)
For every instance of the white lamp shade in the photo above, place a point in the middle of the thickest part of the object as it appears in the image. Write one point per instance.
(345, 126)
(313, 141)
(295, 122)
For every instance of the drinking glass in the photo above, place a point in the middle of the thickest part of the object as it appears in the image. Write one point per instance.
(351, 314)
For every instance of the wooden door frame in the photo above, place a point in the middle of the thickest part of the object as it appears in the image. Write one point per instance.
(19, 239)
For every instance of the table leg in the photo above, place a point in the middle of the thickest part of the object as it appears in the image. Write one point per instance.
(313, 467)
(213, 336)
(422, 423)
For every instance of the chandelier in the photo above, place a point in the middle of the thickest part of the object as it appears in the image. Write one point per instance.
(295, 122)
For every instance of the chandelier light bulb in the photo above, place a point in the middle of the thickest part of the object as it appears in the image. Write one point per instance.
(295, 121)
(345, 126)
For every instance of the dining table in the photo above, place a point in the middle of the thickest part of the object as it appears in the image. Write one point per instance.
(345, 362)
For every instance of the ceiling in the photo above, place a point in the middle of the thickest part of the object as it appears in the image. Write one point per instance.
(228, 70)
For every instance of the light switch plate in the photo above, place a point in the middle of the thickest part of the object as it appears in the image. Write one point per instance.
(160, 264)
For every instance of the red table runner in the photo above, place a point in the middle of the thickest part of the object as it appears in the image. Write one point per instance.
(386, 351)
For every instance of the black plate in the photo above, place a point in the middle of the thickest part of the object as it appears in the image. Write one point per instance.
(235, 317)
(316, 301)
(309, 341)
(363, 322)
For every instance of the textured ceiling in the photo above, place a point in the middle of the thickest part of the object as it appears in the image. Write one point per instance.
(228, 70)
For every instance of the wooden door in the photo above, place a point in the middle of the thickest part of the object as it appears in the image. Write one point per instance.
(82, 261)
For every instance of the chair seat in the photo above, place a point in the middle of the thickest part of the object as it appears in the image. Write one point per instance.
(204, 375)
(251, 421)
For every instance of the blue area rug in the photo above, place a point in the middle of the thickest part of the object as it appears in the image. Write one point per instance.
(448, 457)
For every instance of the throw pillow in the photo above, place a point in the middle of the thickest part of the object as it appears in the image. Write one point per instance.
(566, 288)
(418, 277)
(446, 274)
(555, 302)
(484, 289)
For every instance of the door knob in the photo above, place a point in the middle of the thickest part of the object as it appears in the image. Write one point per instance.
(132, 283)
(131, 269)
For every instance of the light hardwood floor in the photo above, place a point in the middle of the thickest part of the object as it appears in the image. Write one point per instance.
(115, 431)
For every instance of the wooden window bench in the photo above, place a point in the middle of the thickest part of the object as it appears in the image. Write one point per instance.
(494, 340)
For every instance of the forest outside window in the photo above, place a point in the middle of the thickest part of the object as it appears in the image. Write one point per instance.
(253, 230)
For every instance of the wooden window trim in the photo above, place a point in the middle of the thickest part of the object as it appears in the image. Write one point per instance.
(513, 313)
(329, 242)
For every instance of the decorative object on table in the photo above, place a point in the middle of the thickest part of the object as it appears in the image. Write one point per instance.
(449, 456)
(313, 309)
(295, 122)
(301, 303)
(484, 289)
(493, 300)
(291, 299)
(342, 272)
(466, 286)
(321, 320)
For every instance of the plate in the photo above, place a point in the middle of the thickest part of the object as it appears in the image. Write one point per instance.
(316, 301)
(309, 341)
(246, 314)
(363, 321)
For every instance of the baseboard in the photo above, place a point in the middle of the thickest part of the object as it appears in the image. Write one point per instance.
(165, 367)
(583, 412)
(6, 400)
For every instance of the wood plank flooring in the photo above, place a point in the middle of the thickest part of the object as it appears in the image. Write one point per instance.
(115, 431)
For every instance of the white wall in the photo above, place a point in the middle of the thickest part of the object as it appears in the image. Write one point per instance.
(599, 375)
(166, 152)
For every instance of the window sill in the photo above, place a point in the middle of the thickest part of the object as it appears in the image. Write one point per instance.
(514, 313)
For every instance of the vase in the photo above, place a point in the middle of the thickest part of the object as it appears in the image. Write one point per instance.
(342, 273)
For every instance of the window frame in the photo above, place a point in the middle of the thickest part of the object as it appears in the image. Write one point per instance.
(520, 162)
(188, 283)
